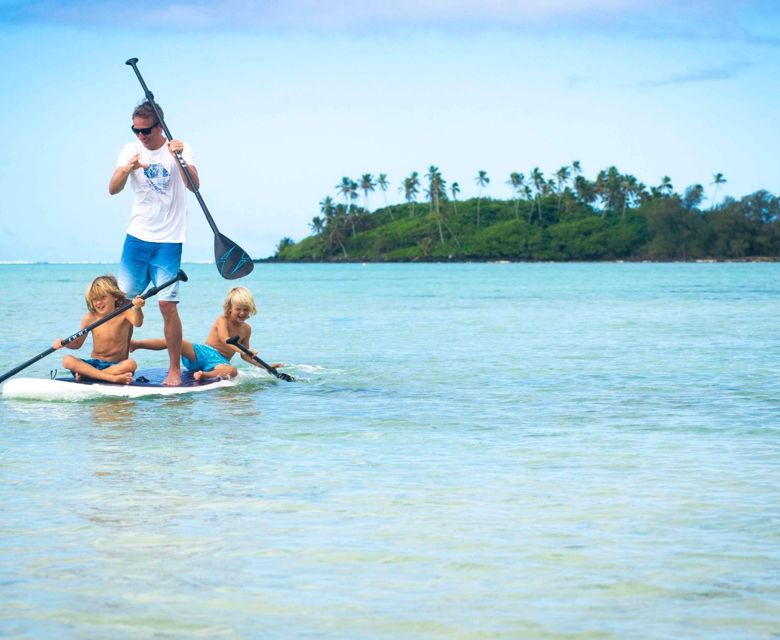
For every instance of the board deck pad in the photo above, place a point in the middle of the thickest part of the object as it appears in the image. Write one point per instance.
(147, 378)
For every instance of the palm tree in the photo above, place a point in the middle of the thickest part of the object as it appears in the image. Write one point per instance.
(366, 184)
(432, 174)
(345, 189)
(383, 183)
(610, 188)
(643, 195)
(482, 180)
(517, 182)
(410, 188)
(562, 177)
(666, 187)
(576, 169)
(436, 191)
(537, 178)
(348, 189)
(317, 224)
(631, 190)
(326, 208)
(693, 196)
(455, 190)
(576, 173)
(584, 189)
(528, 193)
(353, 195)
(334, 223)
(436, 180)
(717, 180)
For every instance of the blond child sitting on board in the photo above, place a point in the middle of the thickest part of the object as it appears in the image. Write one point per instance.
(110, 340)
(212, 359)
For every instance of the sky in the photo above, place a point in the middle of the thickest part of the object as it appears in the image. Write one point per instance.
(281, 99)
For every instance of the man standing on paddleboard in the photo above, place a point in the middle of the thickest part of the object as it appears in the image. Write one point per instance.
(158, 219)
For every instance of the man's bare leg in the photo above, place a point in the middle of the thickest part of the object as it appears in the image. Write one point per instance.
(173, 334)
(158, 344)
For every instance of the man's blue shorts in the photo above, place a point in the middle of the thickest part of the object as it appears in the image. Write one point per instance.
(144, 262)
(206, 358)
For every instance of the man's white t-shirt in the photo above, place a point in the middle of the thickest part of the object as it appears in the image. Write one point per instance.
(159, 212)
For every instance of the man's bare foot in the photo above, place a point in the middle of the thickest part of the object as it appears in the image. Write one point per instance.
(173, 379)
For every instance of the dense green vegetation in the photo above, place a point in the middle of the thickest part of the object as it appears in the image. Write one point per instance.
(565, 218)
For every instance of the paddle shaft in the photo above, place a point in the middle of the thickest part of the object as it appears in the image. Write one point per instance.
(151, 292)
(235, 342)
(182, 162)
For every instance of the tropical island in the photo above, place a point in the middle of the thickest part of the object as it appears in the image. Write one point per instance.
(564, 218)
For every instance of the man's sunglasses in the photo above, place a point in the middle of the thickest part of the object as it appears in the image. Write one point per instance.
(146, 130)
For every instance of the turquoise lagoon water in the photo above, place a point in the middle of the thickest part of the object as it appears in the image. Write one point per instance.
(474, 451)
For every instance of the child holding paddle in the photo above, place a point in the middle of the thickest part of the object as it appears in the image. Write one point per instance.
(212, 359)
(110, 340)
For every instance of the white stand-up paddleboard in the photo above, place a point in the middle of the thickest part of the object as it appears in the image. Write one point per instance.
(146, 382)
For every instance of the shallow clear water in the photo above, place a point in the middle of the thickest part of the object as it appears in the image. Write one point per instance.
(474, 451)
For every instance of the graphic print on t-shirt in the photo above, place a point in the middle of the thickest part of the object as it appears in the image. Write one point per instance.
(158, 177)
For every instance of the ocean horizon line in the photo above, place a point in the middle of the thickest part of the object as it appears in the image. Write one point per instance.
(30, 262)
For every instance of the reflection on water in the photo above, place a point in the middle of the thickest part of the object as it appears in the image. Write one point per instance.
(118, 413)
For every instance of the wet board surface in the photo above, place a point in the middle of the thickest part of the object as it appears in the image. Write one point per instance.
(146, 382)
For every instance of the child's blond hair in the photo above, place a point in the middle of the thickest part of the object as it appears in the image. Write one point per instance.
(104, 286)
(239, 297)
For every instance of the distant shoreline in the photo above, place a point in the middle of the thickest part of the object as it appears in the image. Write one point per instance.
(756, 259)
(424, 261)
(81, 262)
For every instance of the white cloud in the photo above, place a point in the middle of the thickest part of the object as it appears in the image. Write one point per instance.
(709, 74)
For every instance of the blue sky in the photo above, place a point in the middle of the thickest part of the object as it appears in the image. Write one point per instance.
(281, 99)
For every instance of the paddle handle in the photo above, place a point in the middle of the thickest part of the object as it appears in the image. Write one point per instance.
(234, 341)
(151, 292)
(133, 62)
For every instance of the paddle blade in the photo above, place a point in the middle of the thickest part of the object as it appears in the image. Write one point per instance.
(232, 261)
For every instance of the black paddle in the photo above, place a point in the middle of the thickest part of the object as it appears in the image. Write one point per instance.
(282, 376)
(231, 260)
(151, 292)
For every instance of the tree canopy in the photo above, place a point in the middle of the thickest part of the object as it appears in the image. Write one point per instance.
(567, 217)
